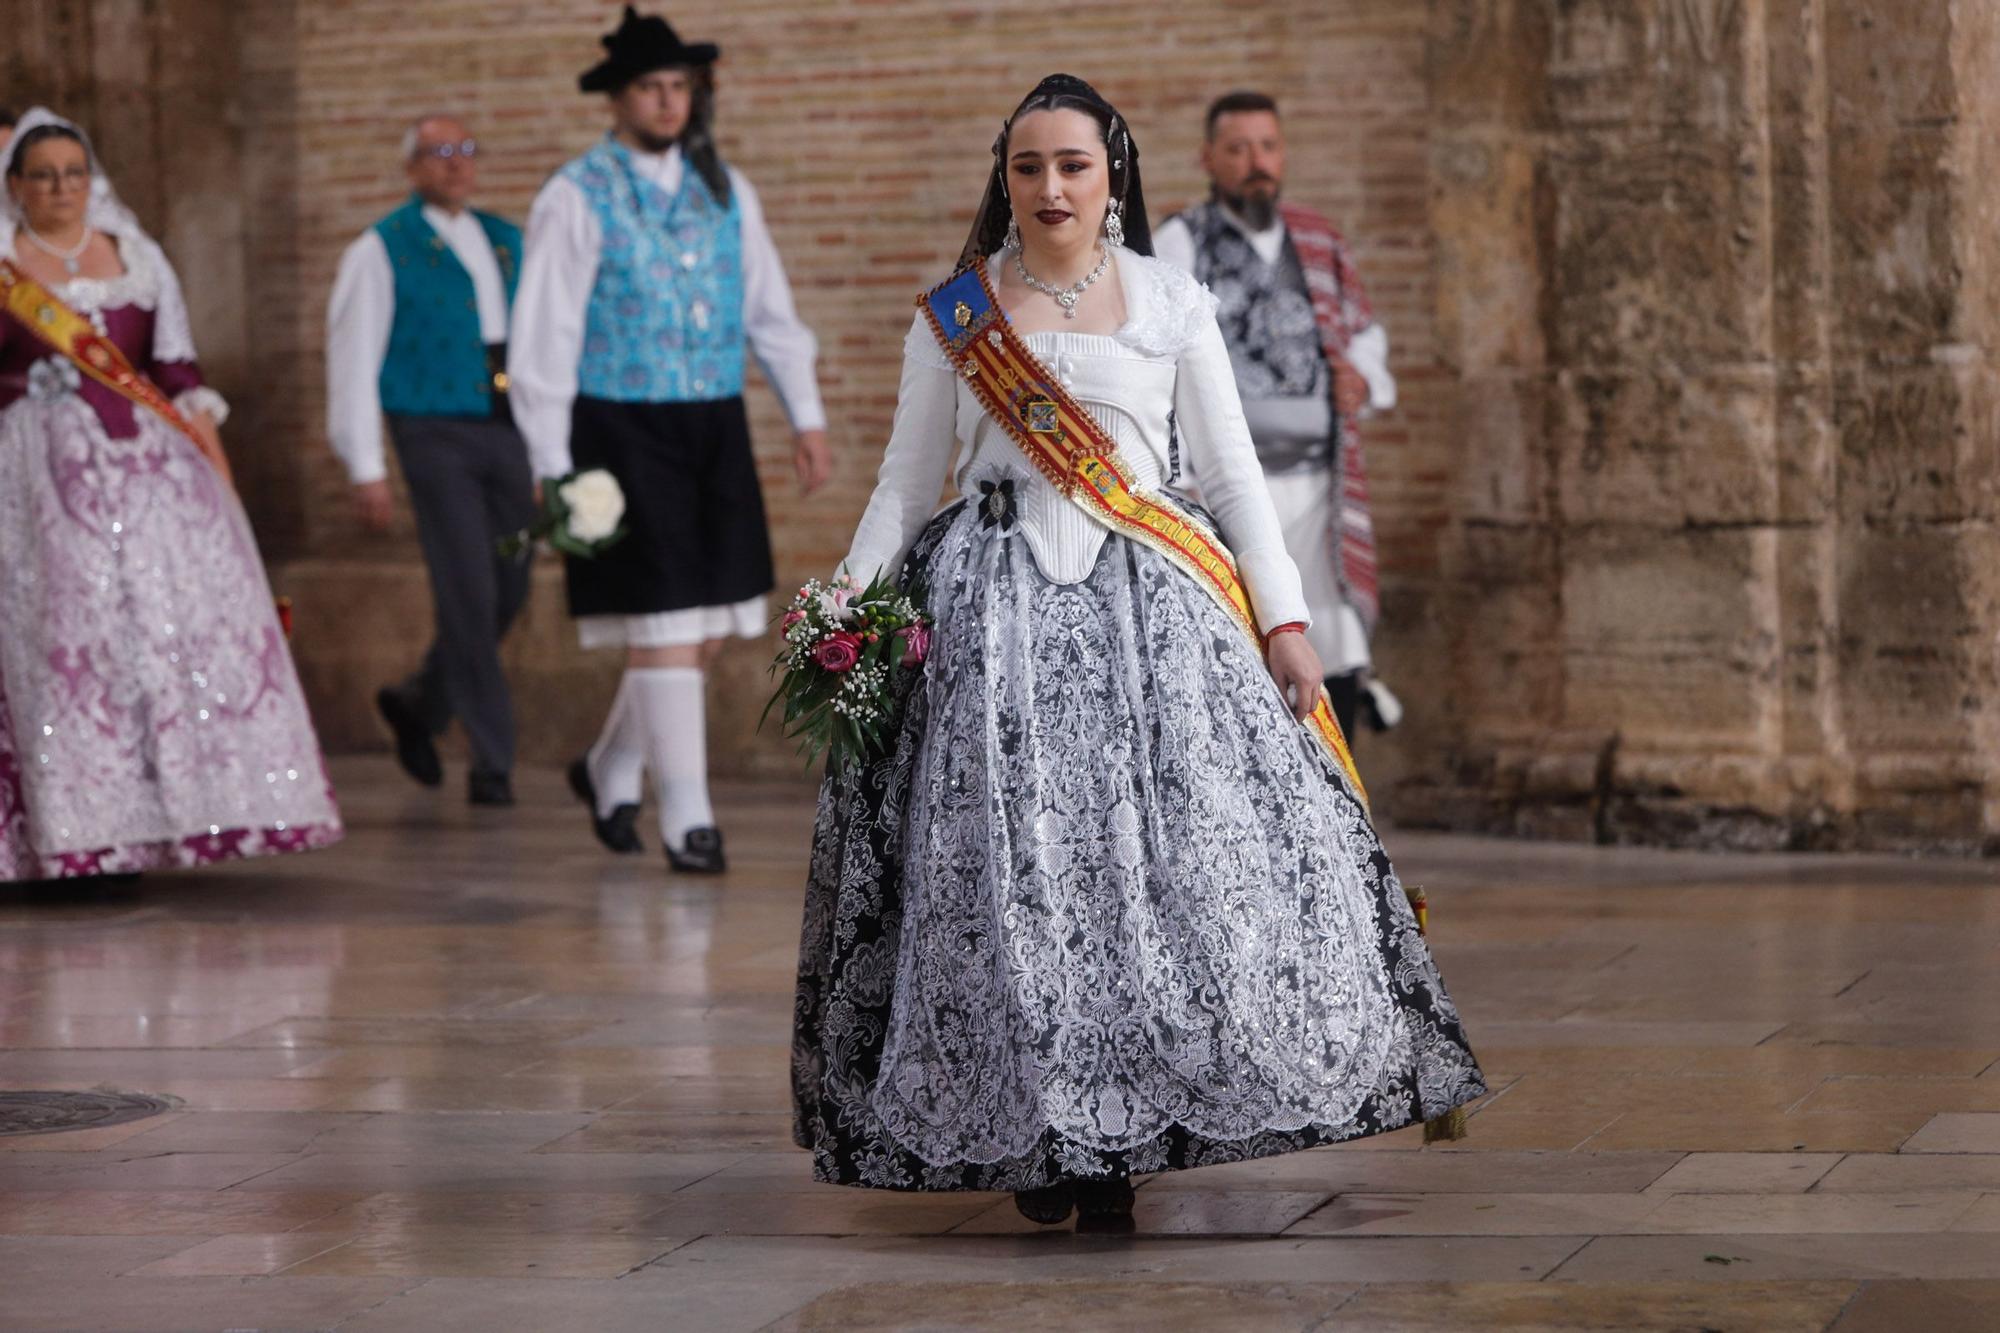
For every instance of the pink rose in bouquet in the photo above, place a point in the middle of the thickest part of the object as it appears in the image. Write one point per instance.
(838, 651)
(849, 650)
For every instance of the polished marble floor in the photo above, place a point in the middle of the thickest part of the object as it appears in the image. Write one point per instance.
(466, 1072)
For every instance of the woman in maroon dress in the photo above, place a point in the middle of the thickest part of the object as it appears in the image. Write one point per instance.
(150, 715)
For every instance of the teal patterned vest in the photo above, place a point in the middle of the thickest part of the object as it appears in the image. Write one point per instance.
(436, 363)
(665, 319)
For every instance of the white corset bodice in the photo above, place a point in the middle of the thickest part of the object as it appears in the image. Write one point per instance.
(1129, 398)
(1168, 358)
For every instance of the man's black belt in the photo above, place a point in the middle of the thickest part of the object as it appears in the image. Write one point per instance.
(496, 378)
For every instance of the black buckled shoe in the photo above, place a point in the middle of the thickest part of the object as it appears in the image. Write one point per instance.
(702, 855)
(489, 788)
(416, 751)
(620, 831)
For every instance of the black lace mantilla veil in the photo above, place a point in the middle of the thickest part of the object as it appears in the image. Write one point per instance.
(1064, 92)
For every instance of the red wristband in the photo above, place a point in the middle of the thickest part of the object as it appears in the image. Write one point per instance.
(1289, 627)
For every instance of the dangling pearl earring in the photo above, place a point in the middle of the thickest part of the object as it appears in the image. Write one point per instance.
(1013, 239)
(1114, 224)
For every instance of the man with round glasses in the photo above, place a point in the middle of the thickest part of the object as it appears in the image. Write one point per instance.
(417, 331)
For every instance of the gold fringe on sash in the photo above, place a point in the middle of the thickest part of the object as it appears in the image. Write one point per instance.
(1449, 1127)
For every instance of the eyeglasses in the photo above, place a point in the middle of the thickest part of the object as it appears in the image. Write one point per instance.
(444, 152)
(47, 178)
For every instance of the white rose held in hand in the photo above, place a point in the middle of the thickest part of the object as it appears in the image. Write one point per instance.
(595, 504)
(581, 516)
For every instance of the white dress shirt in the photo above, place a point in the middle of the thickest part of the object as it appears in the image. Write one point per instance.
(1367, 351)
(1307, 500)
(563, 243)
(1169, 356)
(360, 316)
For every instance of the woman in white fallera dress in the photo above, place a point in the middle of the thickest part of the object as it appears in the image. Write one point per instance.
(1104, 907)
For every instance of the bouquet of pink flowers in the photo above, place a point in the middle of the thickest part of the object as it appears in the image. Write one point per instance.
(846, 648)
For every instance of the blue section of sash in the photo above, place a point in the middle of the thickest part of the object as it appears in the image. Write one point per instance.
(963, 286)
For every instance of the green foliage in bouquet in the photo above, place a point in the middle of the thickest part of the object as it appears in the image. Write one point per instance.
(846, 648)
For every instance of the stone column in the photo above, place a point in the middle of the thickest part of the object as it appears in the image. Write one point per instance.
(1716, 280)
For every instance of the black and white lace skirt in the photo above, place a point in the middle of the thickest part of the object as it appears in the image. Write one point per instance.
(1104, 907)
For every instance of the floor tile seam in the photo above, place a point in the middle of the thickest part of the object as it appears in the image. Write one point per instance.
(1965, 1212)
(733, 1162)
(1669, 1169)
(1326, 1321)
(333, 1244)
(1599, 1132)
(678, 1244)
(343, 1243)
(1564, 1262)
(1820, 1179)
(1860, 1287)
(416, 1285)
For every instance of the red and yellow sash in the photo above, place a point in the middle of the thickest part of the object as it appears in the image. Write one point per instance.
(43, 314)
(1067, 446)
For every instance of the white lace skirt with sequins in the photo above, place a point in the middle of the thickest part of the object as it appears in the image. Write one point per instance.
(150, 714)
(1106, 909)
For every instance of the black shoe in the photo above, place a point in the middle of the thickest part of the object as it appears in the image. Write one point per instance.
(489, 788)
(1104, 1205)
(416, 751)
(702, 855)
(1048, 1205)
(619, 831)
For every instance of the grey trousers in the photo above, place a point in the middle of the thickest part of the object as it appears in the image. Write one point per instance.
(470, 486)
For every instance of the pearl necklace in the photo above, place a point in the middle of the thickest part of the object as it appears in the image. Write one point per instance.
(72, 259)
(1066, 297)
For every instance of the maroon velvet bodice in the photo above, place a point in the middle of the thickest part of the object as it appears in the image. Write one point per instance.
(131, 328)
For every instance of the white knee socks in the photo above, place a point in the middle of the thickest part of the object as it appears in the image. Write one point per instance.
(673, 704)
(618, 761)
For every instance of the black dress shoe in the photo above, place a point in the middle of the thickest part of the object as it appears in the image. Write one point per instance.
(619, 831)
(489, 788)
(1048, 1205)
(416, 751)
(1104, 1206)
(702, 855)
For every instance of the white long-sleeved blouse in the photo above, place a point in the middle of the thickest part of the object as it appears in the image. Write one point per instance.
(1168, 357)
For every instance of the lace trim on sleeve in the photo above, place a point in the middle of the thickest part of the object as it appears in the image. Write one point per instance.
(203, 399)
(1175, 309)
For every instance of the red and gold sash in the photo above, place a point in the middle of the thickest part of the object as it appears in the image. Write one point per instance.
(43, 314)
(1067, 446)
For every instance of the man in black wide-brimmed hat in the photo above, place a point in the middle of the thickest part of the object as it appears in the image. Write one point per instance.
(649, 273)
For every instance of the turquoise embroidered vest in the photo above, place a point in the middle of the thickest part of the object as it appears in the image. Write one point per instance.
(436, 363)
(665, 319)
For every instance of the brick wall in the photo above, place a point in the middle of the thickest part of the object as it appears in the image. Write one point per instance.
(864, 125)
